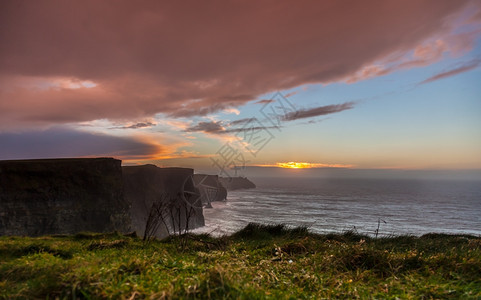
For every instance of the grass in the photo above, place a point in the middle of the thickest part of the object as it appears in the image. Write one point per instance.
(257, 262)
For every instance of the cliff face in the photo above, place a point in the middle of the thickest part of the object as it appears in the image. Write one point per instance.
(53, 196)
(210, 188)
(62, 196)
(236, 183)
(148, 184)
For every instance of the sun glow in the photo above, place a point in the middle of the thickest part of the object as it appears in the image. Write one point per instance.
(303, 165)
(296, 165)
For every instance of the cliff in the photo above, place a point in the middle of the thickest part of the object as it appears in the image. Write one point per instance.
(62, 196)
(236, 183)
(210, 188)
(173, 188)
(55, 196)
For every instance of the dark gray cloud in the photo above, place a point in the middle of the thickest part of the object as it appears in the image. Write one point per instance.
(317, 111)
(207, 127)
(241, 121)
(217, 127)
(70, 143)
(136, 126)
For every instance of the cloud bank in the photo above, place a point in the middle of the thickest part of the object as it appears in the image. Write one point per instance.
(64, 142)
(75, 61)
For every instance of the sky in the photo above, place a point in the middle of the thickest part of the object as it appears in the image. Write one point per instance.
(214, 85)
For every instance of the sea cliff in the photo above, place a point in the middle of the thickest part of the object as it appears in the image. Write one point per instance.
(56, 196)
(64, 196)
(210, 188)
(147, 185)
(236, 183)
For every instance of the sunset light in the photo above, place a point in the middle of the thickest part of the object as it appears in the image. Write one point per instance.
(295, 165)
(262, 128)
(306, 165)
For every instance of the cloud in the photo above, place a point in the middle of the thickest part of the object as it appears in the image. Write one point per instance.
(57, 142)
(136, 126)
(232, 111)
(216, 127)
(368, 72)
(264, 101)
(291, 94)
(149, 57)
(317, 111)
(467, 67)
(174, 124)
(207, 127)
(219, 127)
(249, 129)
(422, 55)
(241, 121)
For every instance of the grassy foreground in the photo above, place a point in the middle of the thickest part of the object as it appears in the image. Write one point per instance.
(258, 262)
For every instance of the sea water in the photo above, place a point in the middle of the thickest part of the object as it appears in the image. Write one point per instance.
(393, 207)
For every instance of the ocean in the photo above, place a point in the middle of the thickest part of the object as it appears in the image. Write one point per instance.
(399, 207)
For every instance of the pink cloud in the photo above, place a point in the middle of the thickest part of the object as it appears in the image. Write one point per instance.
(368, 72)
(422, 55)
(89, 61)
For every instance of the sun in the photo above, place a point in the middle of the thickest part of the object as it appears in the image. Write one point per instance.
(303, 165)
(295, 165)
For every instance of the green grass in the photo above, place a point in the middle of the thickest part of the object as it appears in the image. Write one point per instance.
(257, 262)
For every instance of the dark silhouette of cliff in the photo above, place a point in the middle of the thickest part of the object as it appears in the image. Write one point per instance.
(56, 196)
(147, 184)
(210, 188)
(64, 196)
(236, 183)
